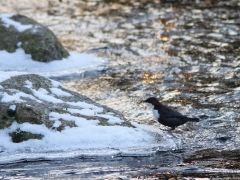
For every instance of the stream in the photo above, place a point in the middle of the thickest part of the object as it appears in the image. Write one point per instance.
(185, 53)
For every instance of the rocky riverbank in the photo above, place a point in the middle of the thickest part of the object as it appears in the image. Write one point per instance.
(186, 54)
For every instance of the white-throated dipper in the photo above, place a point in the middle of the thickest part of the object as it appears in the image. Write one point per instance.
(167, 116)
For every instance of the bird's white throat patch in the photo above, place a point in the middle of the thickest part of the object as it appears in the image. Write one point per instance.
(155, 112)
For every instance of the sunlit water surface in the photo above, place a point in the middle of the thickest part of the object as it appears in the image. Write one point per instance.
(187, 55)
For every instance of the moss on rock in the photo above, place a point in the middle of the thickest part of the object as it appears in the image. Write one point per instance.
(29, 114)
(20, 136)
(6, 120)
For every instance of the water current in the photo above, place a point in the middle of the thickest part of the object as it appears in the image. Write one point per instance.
(185, 53)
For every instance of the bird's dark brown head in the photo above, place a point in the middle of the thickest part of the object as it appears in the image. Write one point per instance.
(152, 100)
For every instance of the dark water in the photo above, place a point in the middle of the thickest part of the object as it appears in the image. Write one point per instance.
(186, 53)
(90, 167)
(162, 165)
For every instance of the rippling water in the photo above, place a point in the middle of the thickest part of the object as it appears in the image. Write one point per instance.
(186, 54)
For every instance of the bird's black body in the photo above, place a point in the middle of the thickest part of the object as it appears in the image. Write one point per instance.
(168, 116)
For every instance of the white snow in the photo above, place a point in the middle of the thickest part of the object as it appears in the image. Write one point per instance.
(22, 63)
(59, 92)
(8, 98)
(83, 137)
(86, 112)
(57, 84)
(57, 124)
(19, 44)
(111, 119)
(81, 122)
(13, 107)
(44, 95)
(9, 22)
(86, 106)
(91, 112)
(88, 135)
(17, 97)
(28, 84)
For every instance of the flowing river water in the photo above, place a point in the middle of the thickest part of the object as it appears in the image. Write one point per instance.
(186, 53)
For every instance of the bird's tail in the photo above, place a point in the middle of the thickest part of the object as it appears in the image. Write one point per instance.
(193, 119)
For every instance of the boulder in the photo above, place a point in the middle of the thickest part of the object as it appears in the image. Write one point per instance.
(18, 31)
(35, 99)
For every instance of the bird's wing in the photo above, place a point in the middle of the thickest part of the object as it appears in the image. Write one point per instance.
(173, 121)
(168, 112)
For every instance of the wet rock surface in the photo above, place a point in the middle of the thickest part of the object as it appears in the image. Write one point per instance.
(184, 53)
(162, 165)
(36, 39)
(217, 158)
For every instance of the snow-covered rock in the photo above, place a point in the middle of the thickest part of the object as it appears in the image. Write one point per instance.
(18, 31)
(40, 118)
(34, 99)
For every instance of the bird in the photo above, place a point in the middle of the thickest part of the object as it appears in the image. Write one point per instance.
(167, 116)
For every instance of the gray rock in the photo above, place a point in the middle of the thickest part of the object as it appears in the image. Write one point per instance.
(6, 119)
(214, 157)
(32, 98)
(36, 40)
(20, 136)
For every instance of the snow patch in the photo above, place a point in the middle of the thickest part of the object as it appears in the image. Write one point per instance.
(22, 63)
(85, 105)
(59, 92)
(43, 95)
(12, 107)
(111, 119)
(86, 135)
(9, 22)
(56, 84)
(85, 112)
(28, 84)
(81, 122)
